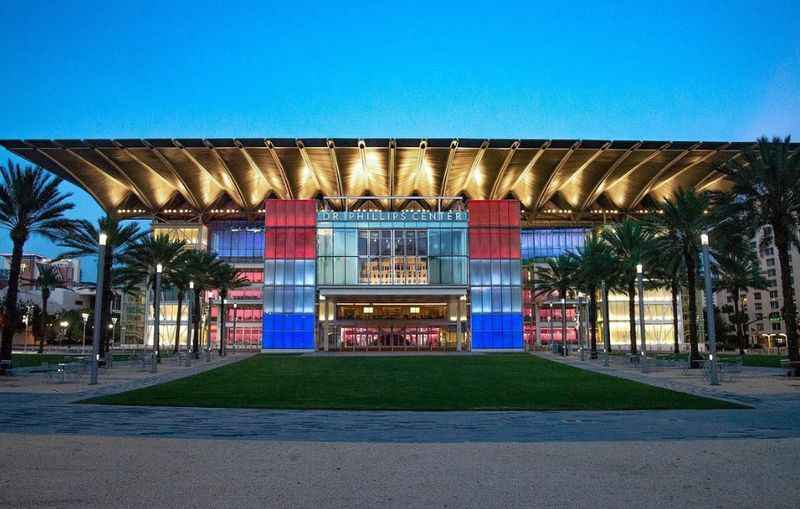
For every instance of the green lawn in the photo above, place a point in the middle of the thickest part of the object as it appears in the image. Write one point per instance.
(27, 360)
(481, 382)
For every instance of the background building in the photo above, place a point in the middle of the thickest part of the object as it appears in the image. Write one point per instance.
(385, 243)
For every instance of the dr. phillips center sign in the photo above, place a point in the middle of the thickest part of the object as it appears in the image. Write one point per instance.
(405, 215)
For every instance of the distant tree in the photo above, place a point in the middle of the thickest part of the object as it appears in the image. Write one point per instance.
(629, 242)
(766, 191)
(84, 240)
(682, 219)
(30, 204)
(48, 280)
(594, 265)
(225, 278)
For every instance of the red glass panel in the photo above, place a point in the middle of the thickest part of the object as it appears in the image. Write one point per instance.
(514, 243)
(269, 244)
(311, 243)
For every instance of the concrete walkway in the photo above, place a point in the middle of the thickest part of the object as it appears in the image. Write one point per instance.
(85, 471)
(775, 416)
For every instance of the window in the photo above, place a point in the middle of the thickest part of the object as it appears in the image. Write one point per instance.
(758, 306)
(773, 294)
(757, 296)
(770, 262)
(768, 251)
(776, 326)
(773, 304)
(771, 283)
(237, 240)
(771, 273)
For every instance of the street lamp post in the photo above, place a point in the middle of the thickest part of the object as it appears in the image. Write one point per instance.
(157, 317)
(112, 327)
(640, 278)
(564, 326)
(712, 333)
(235, 345)
(64, 326)
(208, 329)
(579, 327)
(85, 318)
(98, 308)
(190, 325)
(606, 325)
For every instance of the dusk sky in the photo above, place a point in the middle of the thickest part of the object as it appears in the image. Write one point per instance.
(714, 71)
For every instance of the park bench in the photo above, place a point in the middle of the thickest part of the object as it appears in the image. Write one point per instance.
(790, 366)
(63, 372)
(727, 370)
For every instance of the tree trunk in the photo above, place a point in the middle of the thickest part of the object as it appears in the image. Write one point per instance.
(691, 276)
(592, 323)
(221, 331)
(45, 298)
(674, 291)
(789, 309)
(105, 310)
(632, 314)
(196, 321)
(178, 320)
(7, 343)
(738, 324)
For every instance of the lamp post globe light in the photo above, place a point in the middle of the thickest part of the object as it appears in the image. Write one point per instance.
(85, 318)
(640, 279)
(190, 325)
(157, 317)
(713, 376)
(98, 309)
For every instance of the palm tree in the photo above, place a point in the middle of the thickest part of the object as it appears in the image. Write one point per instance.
(30, 204)
(629, 242)
(766, 191)
(49, 278)
(141, 260)
(737, 269)
(201, 265)
(594, 265)
(84, 241)
(557, 277)
(225, 278)
(680, 222)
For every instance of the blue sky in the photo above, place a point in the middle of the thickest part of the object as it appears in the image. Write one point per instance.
(617, 70)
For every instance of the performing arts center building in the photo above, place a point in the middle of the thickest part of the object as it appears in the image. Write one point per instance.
(385, 244)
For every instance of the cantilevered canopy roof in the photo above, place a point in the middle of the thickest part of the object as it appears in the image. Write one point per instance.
(552, 178)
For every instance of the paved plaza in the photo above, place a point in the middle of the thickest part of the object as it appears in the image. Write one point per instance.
(57, 453)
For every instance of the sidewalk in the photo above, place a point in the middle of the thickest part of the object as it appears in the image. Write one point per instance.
(754, 386)
(123, 376)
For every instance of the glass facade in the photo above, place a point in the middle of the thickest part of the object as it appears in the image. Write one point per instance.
(289, 274)
(298, 249)
(392, 253)
(237, 240)
(495, 274)
(543, 243)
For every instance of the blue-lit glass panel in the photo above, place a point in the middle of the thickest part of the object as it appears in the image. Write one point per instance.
(237, 240)
(551, 242)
